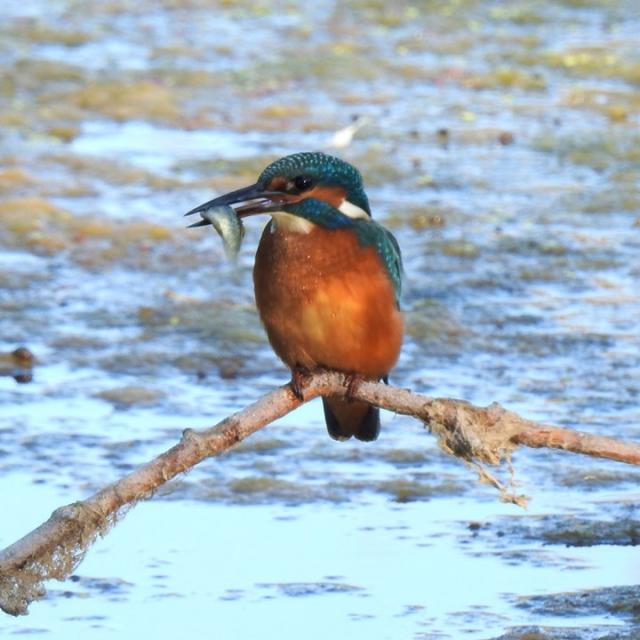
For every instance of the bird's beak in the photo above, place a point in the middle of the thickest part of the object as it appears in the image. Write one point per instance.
(251, 200)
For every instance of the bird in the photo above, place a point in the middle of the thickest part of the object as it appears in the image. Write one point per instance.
(327, 279)
(342, 138)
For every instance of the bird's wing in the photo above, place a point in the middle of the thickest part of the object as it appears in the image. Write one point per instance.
(393, 261)
(373, 234)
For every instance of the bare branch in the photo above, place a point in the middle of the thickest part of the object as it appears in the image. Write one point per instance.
(477, 435)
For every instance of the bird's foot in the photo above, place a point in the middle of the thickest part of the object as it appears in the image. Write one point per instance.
(299, 377)
(353, 380)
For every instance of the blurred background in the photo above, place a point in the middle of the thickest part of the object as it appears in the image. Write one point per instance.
(499, 141)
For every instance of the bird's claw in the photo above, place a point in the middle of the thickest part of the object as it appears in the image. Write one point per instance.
(353, 380)
(299, 377)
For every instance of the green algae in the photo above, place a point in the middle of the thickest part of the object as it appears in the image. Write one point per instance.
(427, 321)
(405, 457)
(460, 249)
(116, 172)
(614, 200)
(508, 77)
(618, 105)
(125, 100)
(550, 632)
(571, 530)
(410, 490)
(431, 216)
(36, 76)
(15, 179)
(226, 322)
(131, 396)
(600, 151)
(523, 14)
(253, 489)
(42, 227)
(37, 31)
(618, 601)
(262, 446)
(596, 61)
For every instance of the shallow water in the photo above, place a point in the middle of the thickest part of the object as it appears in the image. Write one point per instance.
(502, 149)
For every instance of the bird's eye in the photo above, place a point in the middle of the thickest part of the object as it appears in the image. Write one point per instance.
(302, 183)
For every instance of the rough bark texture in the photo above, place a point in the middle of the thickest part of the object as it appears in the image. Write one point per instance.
(477, 435)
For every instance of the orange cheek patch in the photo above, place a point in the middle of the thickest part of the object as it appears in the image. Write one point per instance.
(279, 183)
(333, 195)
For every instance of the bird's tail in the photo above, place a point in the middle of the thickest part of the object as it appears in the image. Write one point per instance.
(346, 418)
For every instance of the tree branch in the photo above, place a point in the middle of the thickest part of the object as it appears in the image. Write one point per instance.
(475, 434)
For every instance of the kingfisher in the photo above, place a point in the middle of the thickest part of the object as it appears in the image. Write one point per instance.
(327, 279)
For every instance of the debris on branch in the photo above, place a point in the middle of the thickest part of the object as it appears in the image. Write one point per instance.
(478, 435)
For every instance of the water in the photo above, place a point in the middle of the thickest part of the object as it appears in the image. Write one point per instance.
(501, 150)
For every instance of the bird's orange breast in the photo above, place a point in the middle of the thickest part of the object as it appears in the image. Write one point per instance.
(327, 301)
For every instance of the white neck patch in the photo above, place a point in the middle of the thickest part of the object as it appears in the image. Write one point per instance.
(287, 222)
(353, 211)
(295, 224)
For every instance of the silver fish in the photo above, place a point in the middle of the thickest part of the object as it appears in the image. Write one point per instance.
(228, 225)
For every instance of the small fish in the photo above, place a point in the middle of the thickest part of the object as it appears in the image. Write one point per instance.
(228, 225)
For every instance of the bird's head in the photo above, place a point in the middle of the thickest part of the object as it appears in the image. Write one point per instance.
(317, 187)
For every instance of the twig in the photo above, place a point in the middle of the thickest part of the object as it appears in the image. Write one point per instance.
(477, 435)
